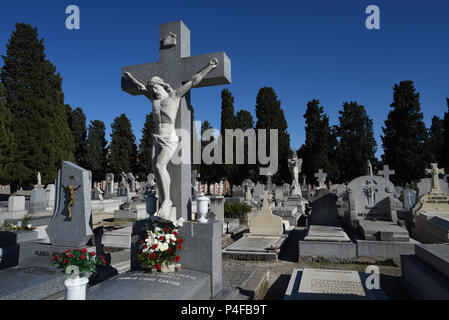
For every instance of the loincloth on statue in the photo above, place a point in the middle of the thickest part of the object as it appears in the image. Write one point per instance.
(166, 142)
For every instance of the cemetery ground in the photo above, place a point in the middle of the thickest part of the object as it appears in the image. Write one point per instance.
(268, 280)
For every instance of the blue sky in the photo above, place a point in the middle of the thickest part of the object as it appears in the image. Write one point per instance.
(303, 49)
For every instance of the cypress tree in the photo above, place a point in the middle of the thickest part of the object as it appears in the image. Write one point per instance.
(436, 133)
(77, 124)
(122, 151)
(271, 116)
(227, 171)
(356, 141)
(318, 146)
(208, 173)
(244, 121)
(11, 169)
(405, 139)
(445, 142)
(146, 147)
(96, 150)
(34, 96)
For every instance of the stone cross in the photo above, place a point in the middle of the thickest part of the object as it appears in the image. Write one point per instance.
(176, 66)
(386, 172)
(434, 171)
(370, 191)
(321, 177)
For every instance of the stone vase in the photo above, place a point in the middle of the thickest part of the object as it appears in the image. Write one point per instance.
(168, 268)
(75, 288)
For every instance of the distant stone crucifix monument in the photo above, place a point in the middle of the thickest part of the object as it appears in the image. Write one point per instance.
(176, 69)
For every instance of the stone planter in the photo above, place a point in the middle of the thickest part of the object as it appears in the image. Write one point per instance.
(75, 289)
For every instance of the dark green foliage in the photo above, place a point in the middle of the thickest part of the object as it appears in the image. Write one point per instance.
(271, 116)
(96, 150)
(436, 133)
(146, 148)
(405, 140)
(244, 121)
(236, 210)
(77, 124)
(208, 173)
(122, 150)
(445, 143)
(11, 170)
(34, 96)
(356, 141)
(318, 150)
(227, 171)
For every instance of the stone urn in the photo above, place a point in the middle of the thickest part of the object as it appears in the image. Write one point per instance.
(202, 208)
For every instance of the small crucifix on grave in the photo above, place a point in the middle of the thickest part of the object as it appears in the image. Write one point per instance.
(434, 171)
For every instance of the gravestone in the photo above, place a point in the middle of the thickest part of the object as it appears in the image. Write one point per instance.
(176, 67)
(279, 194)
(286, 189)
(97, 194)
(424, 186)
(409, 198)
(37, 201)
(324, 284)
(109, 192)
(248, 185)
(372, 209)
(50, 195)
(132, 182)
(321, 177)
(258, 191)
(264, 240)
(432, 212)
(77, 231)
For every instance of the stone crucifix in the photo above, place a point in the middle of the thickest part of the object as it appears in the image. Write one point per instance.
(174, 69)
(434, 171)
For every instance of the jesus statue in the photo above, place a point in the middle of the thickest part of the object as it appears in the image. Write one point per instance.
(166, 102)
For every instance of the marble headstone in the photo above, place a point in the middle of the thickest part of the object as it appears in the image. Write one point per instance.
(78, 231)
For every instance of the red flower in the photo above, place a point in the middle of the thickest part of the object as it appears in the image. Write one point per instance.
(175, 233)
(92, 254)
(153, 256)
(65, 261)
(161, 238)
(170, 250)
(179, 247)
(102, 259)
(146, 237)
(177, 258)
(154, 246)
(145, 246)
(171, 241)
(180, 241)
(77, 249)
(57, 258)
(158, 267)
(84, 251)
(82, 257)
(167, 230)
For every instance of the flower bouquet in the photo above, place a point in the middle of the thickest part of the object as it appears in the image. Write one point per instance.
(24, 225)
(159, 249)
(87, 262)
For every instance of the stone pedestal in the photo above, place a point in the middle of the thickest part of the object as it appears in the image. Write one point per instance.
(202, 242)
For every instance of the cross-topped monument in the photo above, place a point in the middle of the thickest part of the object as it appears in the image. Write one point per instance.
(386, 172)
(434, 171)
(176, 67)
(321, 177)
